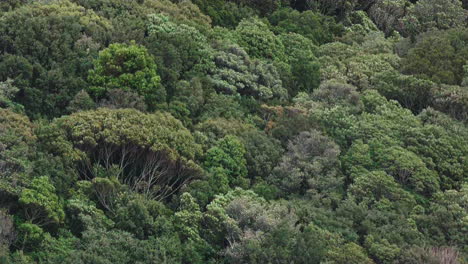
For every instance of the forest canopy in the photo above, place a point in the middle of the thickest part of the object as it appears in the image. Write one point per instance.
(234, 131)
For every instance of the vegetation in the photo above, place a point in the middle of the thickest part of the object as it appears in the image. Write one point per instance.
(222, 131)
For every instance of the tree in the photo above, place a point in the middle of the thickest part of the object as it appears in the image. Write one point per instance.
(171, 131)
(82, 212)
(241, 220)
(119, 98)
(140, 216)
(445, 216)
(438, 56)
(219, 105)
(81, 101)
(340, 8)
(378, 185)
(7, 94)
(465, 78)
(434, 14)
(215, 182)
(444, 144)
(129, 19)
(320, 29)
(188, 222)
(48, 55)
(226, 14)
(309, 165)
(408, 169)
(236, 73)
(349, 253)
(211, 130)
(192, 94)
(452, 100)
(181, 50)
(40, 203)
(409, 91)
(228, 154)
(418, 255)
(107, 188)
(7, 230)
(263, 6)
(262, 153)
(331, 93)
(127, 67)
(381, 249)
(152, 153)
(305, 68)
(17, 148)
(388, 14)
(356, 64)
(102, 247)
(259, 42)
(11, 4)
(30, 236)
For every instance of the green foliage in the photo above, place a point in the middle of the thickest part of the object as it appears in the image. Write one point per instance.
(181, 50)
(452, 100)
(382, 250)
(305, 68)
(41, 205)
(82, 213)
(224, 13)
(192, 94)
(17, 145)
(349, 253)
(7, 93)
(7, 231)
(128, 18)
(100, 246)
(409, 91)
(139, 216)
(439, 56)
(360, 24)
(309, 165)
(30, 236)
(434, 14)
(128, 67)
(236, 73)
(215, 182)
(158, 147)
(340, 8)
(378, 185)
(228, 154)
(91, 129)
(262, 153)
(48, 55)
(300, 132)
(446, 215)
(357, 64)
(11, 4)
(188, 221)
(211, 130)
(241, 218)
(224, 106)
(332, 93)
(465, 78)
(257, 39)
(119, 98)
(318, 28)
(81, 101)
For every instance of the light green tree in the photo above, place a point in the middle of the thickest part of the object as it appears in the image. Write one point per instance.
(126, 67)
(41, 204)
